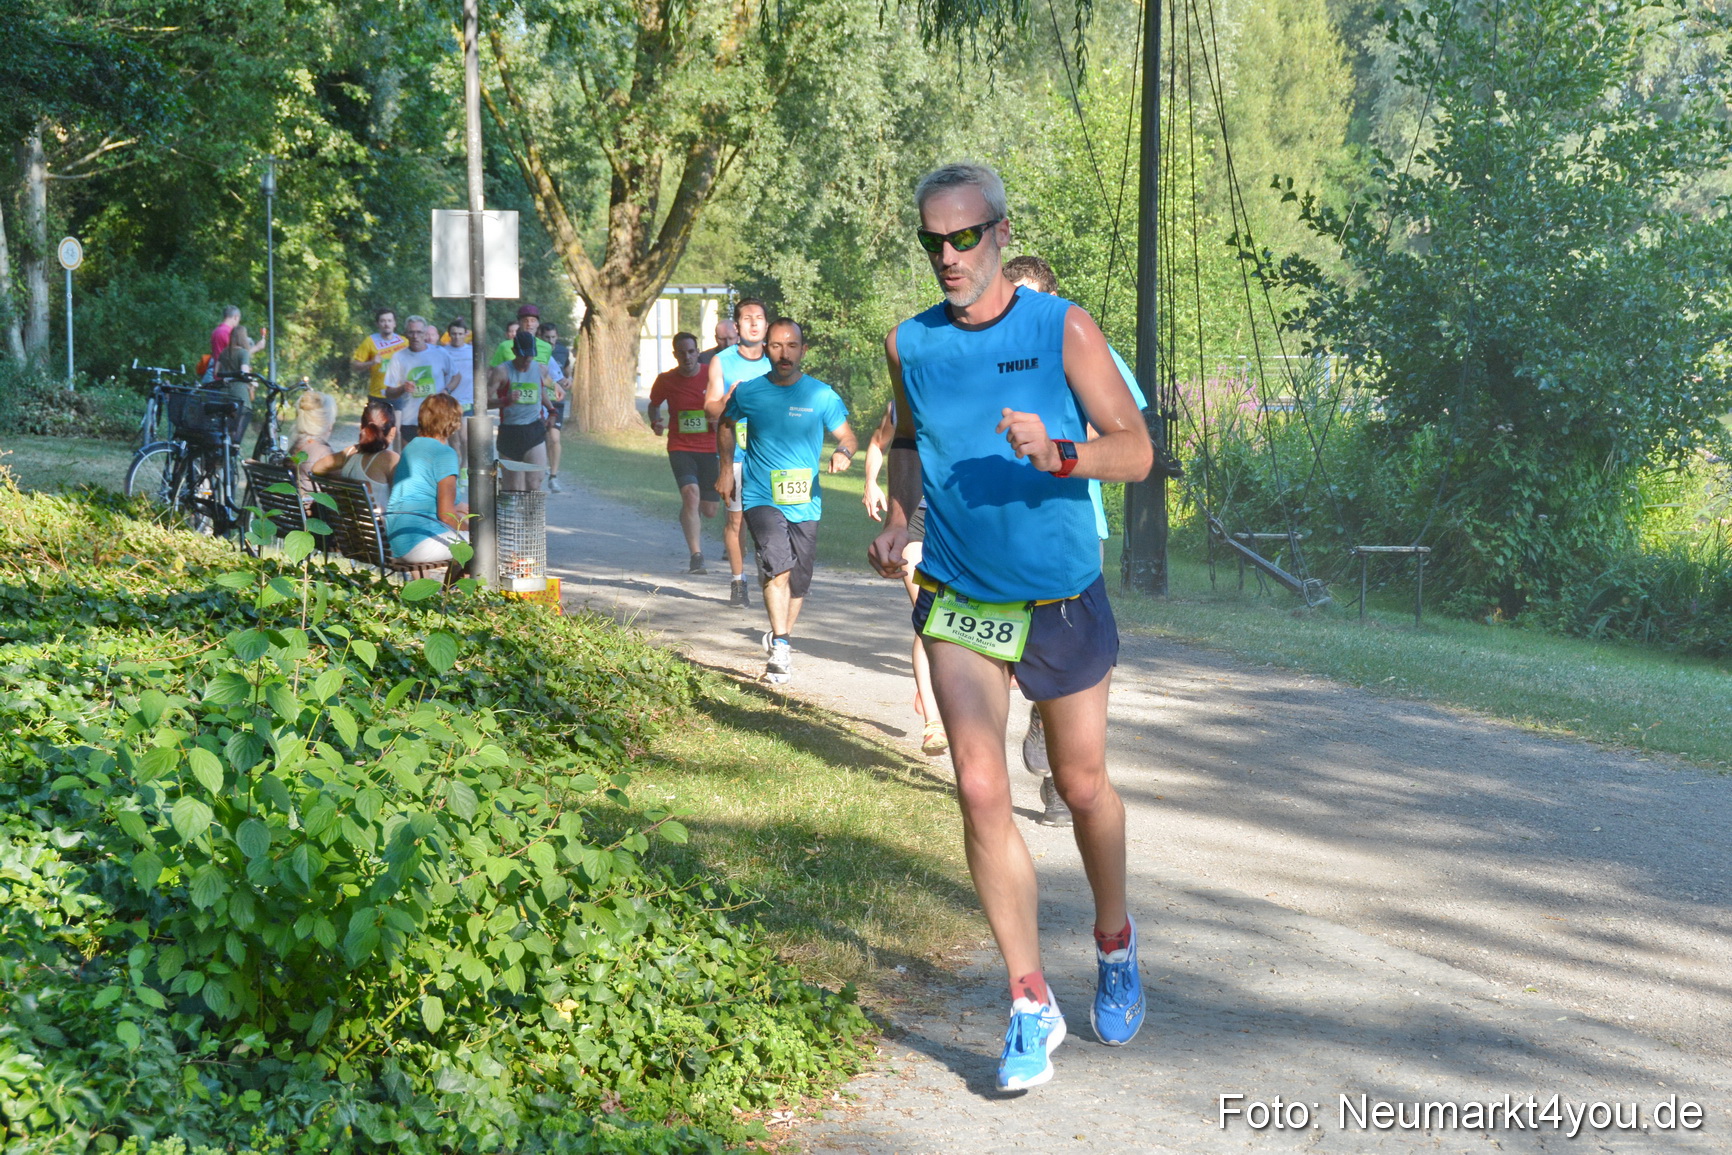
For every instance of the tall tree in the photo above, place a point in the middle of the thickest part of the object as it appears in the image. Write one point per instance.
(632, 111)
(72, 80)
(1535, 291)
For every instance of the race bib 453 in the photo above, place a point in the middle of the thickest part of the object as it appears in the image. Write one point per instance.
(693, 421)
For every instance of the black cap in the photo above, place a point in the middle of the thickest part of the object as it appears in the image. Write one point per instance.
(523, 345)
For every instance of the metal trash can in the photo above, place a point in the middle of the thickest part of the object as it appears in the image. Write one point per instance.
(522, 522)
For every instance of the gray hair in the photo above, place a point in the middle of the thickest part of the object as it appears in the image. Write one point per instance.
(968, 173)
(231, 311)
(415, 320)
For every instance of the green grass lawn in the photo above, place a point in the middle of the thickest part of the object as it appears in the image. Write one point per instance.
(48, 463)
(1620, 694)
(632, 467)
(859, 844)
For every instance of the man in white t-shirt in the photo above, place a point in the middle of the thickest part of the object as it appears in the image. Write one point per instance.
(459, 377)
(415, 374)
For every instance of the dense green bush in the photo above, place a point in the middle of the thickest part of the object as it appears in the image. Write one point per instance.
(36, 402)
(1640, 555)
(288, 862)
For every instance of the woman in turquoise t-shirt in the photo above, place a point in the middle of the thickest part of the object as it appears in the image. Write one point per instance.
(423, 517)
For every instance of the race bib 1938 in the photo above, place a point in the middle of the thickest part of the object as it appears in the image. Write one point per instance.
(693, 421)
(790, 486)
(998, 630)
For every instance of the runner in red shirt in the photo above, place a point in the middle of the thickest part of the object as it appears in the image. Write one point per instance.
(691, 441)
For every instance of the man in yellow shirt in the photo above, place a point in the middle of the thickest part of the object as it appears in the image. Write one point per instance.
(375, 351)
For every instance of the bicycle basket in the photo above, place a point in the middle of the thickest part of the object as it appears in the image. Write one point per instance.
(199, 413)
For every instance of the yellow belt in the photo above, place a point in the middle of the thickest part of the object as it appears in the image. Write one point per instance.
(939, 587)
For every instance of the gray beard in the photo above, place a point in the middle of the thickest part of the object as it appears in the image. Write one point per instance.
(972, 291)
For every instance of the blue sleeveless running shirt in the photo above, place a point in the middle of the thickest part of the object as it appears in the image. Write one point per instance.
(997, 528)
(735, 369)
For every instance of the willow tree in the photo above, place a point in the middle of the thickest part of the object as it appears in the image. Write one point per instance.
(625, 118)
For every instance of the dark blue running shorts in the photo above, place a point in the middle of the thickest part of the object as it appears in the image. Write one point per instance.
(1071, 644)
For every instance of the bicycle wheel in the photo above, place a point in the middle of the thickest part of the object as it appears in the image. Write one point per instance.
(193, 491)
(151, 474)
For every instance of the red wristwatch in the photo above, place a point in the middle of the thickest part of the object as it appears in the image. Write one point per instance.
(1066, 458)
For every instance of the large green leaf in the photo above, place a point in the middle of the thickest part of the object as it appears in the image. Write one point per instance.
(206, 767)
(441, 650)
(254, 838)
(208, 885)
(432, 1013)
(420, 589)
(298, 544)
(190, 817)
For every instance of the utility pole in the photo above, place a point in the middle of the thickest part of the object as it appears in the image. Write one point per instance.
(1145, 555)
(268, 186)
(483, 526)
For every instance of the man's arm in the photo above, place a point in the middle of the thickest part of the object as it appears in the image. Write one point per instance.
(653, 409)
(549, 383)
(725, 454)
(846, 446)
(715, 394)
(885, 553)
(874, 499)
(495, 381)
(359, 365)
(1123, 451)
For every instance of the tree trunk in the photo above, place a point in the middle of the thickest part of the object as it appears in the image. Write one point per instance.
(35, 166)
(8, 303)
(604, 369)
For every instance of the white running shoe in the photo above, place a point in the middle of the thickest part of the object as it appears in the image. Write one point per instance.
(781, 663)
(553, 485)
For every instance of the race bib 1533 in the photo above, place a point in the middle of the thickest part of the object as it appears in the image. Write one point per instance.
(790, 486)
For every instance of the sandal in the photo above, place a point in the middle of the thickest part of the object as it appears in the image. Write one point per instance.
(933, 739)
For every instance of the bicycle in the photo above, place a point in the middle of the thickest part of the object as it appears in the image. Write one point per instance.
(193, 472)
(154, 377)
(272, 447)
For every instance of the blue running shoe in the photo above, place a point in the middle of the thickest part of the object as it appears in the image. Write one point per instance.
(1117, 1014)
(1036, 1030)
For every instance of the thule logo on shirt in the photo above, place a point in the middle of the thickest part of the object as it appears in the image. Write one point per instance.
(1018, 366)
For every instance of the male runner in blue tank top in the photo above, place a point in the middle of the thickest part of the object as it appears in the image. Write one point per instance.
(991, 389)
(788, 413)
(739, 362)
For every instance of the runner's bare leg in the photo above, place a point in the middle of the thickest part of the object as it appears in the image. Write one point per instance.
(1076, 744)
(689, 524)
(973, 694)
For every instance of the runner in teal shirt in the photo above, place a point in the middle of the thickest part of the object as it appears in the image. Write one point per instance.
(790, 413)
(788, 424)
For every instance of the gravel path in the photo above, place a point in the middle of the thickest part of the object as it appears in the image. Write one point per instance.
(1340, 895)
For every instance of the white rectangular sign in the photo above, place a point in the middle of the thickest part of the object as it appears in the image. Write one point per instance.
(451, 253)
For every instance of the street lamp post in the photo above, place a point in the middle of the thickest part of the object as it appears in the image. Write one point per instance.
(483, 523)
(268, 186)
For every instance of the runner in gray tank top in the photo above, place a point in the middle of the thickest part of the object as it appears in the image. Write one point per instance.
(519, 389)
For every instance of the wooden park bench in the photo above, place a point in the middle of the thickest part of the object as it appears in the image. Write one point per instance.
(1419, 553)
(358, 532)
(285, 509)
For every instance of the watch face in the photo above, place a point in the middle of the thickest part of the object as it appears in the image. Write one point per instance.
(1067, 450)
